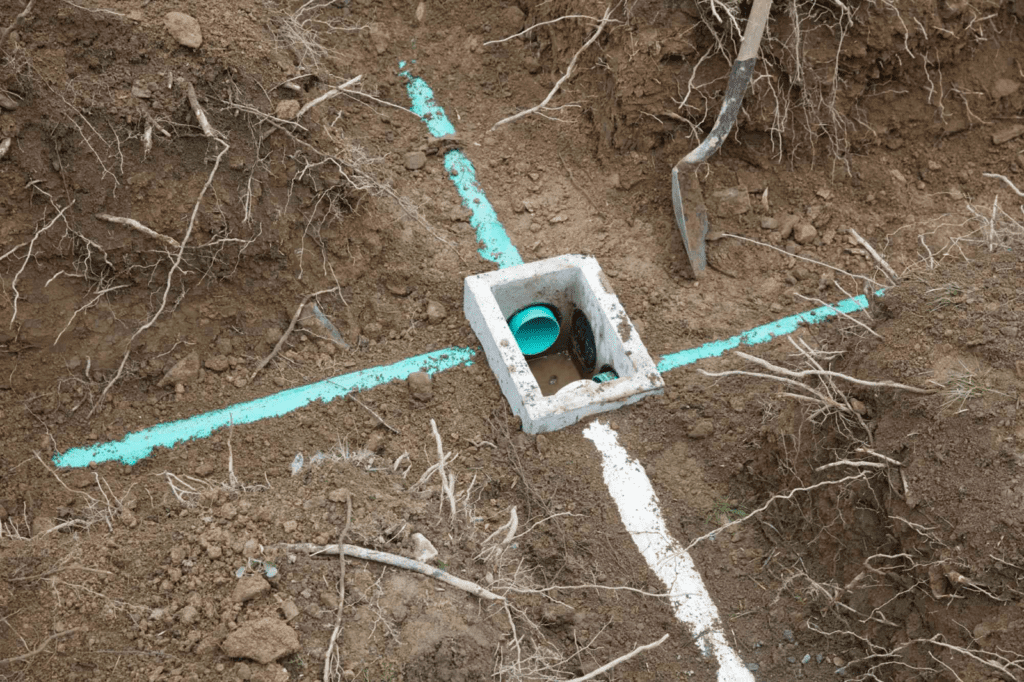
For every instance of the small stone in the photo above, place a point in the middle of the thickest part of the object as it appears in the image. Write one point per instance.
(768, 223)
(188, 615)
(244, 672)
(287, 109)
(218, 363)
(512, 18)
(804, 233)
(214, 551)
(6, 103)
(415, 160)
(421, 386)
(183, 372)
(435, 312)
(338, 495)
(375, 442)
(290, 526)
(251, 548)
(422, 549)
(806, 659)
(733, 201)
(1004, 87)
(702, 429)
(786, 225)
(838, 662)
(858, 407)
(179, 388)
(264, 640)
(248, 588)
(348, 675)
(272, 335)
(819, 658)
(289, 609)
(184, 28)
(1007, 134)
(240, 382)
(788, 635)
(753, 667)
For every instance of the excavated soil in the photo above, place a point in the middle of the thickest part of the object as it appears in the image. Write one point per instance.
(882, 118)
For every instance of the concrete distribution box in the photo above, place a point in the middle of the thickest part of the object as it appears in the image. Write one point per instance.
(568, 284)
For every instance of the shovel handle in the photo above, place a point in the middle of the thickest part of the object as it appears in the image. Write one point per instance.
(692, 219)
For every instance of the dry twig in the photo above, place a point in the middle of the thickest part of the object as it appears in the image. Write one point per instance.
(568, 74)
(28, 256)
(139, 227)
(389, 427)
(329, 657)
(773, 498)
(545, 23)
(42, 645)
(333, 92)
(886, 268)
(291, 327)
(621, 659)
(396, 561)
(17, 20)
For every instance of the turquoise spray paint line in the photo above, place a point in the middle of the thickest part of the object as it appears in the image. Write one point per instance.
(138, 445)
(764, 333)
(495, 244)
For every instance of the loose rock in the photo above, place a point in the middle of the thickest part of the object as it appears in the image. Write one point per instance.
(733, 201)
(264, 641)
(421, 386)
(250, 587)
(338, 495)
(415, 160)
(188, 615)
(422, 549)
(804, 233)
(1004, 87)
(184, 371)
(1007, 134)
(218, 363)
(435, 312)
(184, 28)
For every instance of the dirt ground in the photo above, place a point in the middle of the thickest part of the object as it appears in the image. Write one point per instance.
(878, 117)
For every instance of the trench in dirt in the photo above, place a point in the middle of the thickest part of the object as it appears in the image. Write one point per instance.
(156, 587)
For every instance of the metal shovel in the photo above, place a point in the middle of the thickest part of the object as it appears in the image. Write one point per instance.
(687, 199)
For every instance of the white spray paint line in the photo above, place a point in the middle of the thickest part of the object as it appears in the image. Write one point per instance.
(638, 506)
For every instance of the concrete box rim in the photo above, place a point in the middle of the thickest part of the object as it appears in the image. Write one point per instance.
(548, 413)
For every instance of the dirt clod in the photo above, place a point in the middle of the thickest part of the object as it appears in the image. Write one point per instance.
(218, 363)
(264, 641)
(415, 160)
(184, 28)
(287, 109)
(436, 312)
(184, 371)
(421, 386)
(248, 588)
(804, 233)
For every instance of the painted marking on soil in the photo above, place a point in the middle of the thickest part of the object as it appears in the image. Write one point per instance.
(638, 506)
(495, 244)
(138, 445)
(764, 333)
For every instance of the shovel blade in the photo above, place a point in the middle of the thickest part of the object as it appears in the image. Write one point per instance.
(691, 216)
